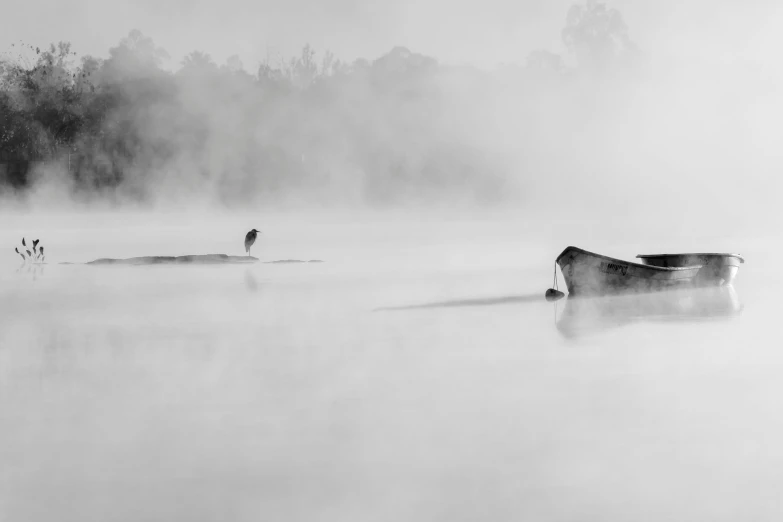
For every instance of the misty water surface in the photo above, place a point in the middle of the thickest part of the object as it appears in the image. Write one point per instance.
(416, 374)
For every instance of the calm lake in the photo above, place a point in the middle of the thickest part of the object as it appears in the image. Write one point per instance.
(416, 373)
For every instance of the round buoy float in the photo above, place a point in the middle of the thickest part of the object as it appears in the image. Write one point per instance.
(553, 295)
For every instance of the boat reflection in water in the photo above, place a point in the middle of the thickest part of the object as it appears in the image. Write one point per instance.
(586, 315)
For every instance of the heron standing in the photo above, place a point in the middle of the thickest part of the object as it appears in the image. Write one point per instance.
(250, 238)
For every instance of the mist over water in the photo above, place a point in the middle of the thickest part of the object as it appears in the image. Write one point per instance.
(206, 392)
(416, 373)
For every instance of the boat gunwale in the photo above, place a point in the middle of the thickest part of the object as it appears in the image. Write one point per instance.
(654, 268)
(647, 256)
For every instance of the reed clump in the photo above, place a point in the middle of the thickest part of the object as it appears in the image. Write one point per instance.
(35, 256)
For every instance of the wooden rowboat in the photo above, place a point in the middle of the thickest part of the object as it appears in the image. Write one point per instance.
(717, 269)
(587, 273)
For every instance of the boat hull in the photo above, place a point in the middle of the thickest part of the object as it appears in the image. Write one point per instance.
(587, 273)
(717, 269)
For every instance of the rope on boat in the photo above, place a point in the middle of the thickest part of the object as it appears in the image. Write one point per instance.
(553, 294)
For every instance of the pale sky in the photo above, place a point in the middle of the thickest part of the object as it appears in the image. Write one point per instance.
(481, 33)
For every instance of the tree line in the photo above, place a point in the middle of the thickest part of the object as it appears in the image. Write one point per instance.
(401, 126)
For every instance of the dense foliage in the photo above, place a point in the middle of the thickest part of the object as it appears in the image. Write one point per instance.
(399, 127)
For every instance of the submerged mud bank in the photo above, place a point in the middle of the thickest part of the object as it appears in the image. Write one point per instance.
(292, 261)
(203, 259)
